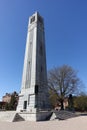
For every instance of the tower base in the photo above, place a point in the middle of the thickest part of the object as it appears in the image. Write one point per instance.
(39, 116)
(13, 116)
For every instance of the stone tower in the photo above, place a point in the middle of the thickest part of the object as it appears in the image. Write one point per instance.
(34, 92)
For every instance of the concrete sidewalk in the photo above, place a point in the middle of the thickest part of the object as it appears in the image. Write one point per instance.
(77, 123)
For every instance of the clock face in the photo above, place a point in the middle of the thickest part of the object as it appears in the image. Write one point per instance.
(32, 19)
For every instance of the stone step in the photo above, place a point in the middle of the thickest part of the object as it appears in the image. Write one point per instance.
(62, 115)
(7, 116)
(53, 116)
(10, 116)
(18, 118)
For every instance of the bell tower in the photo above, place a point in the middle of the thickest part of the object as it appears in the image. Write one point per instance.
(34, 92)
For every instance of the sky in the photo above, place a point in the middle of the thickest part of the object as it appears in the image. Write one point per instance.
(65, 34)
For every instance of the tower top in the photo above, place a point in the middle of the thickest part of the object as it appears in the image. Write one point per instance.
(36, 17)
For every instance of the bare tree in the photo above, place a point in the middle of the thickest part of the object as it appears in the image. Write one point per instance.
(63, 81)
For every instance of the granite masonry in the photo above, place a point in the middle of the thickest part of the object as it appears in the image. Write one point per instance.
(34, 98)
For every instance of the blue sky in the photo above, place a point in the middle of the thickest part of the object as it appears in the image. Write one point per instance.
(65, 34)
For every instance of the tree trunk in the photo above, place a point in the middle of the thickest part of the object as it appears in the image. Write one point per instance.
(62, 106)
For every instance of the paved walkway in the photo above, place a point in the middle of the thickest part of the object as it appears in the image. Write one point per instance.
(77, 123)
